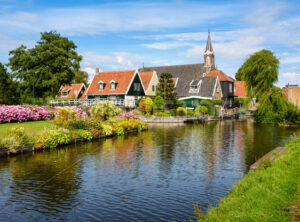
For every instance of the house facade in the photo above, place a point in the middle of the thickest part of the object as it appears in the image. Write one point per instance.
(150, 81)
(121, 87)
(292, 92)
(240, 89)
(73, 91)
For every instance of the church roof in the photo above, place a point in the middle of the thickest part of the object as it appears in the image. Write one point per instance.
(208, 44)
(184, 73)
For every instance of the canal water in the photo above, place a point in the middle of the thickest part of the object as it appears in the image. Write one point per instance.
(151, 176)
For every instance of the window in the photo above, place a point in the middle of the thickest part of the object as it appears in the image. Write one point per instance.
(112, 85)
(101, 86)
(64, 93)
(230, 87)
(194, 89)
(195, 102)
(153, 88)
(137, 87)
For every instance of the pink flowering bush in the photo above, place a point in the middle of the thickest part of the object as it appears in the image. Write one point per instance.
(127, 115)
(23, 113)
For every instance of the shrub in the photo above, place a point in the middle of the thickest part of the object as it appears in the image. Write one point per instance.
(239, 102)
(53, 138)
(65, 117)
(128, 115)
(142, 105)
(180, 103)
(200, 110)
(217, 101)
(85, 134)
(180, 111)
(13, 138)
(104, 110)
(158, 103)
(172, 112)
(190, 112)
(210, 107)
(162, 114)
(148, 105)
(107, 129)
(79, 124)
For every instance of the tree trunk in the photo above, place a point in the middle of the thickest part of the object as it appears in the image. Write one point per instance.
(52, 92)
(44, 99)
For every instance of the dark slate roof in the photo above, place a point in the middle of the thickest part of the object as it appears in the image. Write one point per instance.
(207, 86)
(194, 82)
(184, 73)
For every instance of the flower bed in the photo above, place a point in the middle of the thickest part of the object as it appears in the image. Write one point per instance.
(23, 113)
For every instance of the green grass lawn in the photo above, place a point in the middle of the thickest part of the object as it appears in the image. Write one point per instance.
(31, 128)
(265, 194)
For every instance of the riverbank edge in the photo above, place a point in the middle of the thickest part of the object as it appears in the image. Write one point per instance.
(265, 193)
(4, 152)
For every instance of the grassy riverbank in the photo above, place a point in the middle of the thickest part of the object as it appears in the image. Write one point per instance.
(265, 194)
(32, 128)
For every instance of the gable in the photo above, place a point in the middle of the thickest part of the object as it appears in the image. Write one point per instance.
(136, 87)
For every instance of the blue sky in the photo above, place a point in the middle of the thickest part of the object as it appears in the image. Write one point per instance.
(114, 35)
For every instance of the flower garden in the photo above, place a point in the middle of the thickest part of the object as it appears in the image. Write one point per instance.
(102, 119)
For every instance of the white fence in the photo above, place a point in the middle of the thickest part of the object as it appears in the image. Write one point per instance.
(89, 102)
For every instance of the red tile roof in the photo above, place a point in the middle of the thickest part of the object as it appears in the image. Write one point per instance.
(74, 90)
(122, 78)
(222, 76)
(240, 89)
(146, 78)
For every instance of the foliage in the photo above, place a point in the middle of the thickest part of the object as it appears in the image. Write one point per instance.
(107, 129)
(13, 137)
(85, 134)
(239, 101)
(142, 105)
(190, 112)
(211, 110)
(217, 101)
(81, 77)
(51, 63)
(158, 104)
(180, 103)
(104, 110)
(53, 138)
(65, 117)
(275, 108)
(166, 89)
(180, 111)
(200, 110)
(263, 194)
(148, 105)
(172, 112)
(8, 88)
(130, 124)
(162, 114)
(22, 113)
(260, 71)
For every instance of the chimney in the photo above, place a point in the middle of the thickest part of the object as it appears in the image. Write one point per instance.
(97, 70)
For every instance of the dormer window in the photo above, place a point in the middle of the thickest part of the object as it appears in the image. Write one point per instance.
(112, 85)
(101, 86)
(64, 93)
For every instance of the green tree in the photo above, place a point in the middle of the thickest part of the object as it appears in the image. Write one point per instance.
(158, 104)
(51, 63)
(81, 77)
(9, 89)
(148, 105)
(260, 71)
(166, 89)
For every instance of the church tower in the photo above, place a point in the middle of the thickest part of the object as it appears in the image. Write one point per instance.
(209, 56)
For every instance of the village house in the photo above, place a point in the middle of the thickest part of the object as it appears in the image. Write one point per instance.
(292, 92)
(123, 88)
(240, 89)
(195, 82)
(150, 81)
(73, 91)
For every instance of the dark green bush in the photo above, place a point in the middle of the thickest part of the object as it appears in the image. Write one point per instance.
(210, 107)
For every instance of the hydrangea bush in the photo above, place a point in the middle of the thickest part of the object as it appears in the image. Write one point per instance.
(128, 115)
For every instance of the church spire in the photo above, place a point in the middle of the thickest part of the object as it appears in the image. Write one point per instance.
(209, 57)
(208, 43)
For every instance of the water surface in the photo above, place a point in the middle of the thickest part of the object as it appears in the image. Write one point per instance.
(151, 176)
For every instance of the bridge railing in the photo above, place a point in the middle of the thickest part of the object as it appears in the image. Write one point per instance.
(90, 102)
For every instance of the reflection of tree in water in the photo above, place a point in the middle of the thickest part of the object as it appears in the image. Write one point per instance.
(46, 182)
(262, 138)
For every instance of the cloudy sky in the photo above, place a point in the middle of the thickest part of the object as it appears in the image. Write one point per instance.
(114, 35)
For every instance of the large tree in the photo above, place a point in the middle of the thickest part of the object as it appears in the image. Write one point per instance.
(81, 77)
(166, 89)
(51, 63)
(9, 89)
(260, 71)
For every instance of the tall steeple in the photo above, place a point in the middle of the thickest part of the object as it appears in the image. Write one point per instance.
(209, 56)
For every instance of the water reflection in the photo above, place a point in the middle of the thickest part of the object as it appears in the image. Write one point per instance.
(155, 175)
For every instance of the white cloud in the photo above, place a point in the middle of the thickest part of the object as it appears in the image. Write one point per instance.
(7, 43)
(166, 45)
(291, 75)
